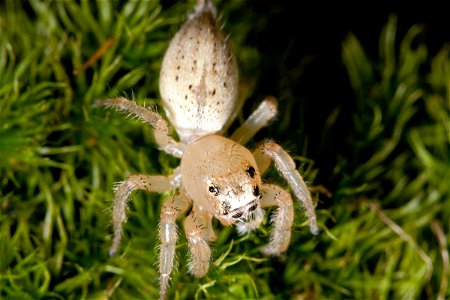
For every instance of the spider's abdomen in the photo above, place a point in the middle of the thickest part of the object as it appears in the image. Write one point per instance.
(199, 79)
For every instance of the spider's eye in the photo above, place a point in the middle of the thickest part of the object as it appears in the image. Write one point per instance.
(250, 171)
(214, 189)
(253, 207)
(238, 214)
(256, 191)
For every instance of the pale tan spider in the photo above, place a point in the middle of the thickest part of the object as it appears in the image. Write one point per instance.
(218, 177)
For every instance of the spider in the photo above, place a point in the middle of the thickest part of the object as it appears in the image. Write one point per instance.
(218, 177)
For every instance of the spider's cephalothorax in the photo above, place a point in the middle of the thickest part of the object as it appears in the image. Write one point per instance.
(222, 176)
(218, 177)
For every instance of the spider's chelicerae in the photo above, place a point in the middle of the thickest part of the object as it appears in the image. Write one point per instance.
(218, 177)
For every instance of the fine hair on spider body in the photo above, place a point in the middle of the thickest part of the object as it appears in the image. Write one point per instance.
(218, 177)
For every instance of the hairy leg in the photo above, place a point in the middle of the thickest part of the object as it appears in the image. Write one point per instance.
(199, 233)
(172, 209)
(286, 167)
(162, 138)
(282, 219)
(123, 190)
(258, 119)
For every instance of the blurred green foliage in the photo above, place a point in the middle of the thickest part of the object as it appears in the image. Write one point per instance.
(385, 229)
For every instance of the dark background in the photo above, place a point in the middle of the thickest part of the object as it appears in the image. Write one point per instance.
(300, 45)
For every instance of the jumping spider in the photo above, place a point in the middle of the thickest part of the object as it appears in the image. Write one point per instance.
(218, 177)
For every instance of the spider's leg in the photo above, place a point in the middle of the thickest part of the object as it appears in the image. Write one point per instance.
(172, 209)
(198, 229)
(282, 219)
(162, 138)
(257, 120)
(286, 167)
(158, 184)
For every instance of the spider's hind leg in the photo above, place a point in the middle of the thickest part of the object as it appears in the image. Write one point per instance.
(162, 138)
(265, 112)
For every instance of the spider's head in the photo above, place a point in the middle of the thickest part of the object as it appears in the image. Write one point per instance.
(222, 178)
(236, 194)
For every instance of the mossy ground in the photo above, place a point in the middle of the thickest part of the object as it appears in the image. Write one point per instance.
(384, 223)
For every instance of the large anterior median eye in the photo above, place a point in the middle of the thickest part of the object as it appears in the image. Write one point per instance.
(214, 189)
(238, 214)
(250, 171)
(253, 207)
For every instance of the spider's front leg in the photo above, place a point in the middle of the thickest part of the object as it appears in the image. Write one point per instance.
(172, 209)
(199, 232)
(158, 184)
(270, 150)
(282, 220)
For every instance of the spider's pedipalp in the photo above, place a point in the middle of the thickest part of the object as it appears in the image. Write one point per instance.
(253, 220)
